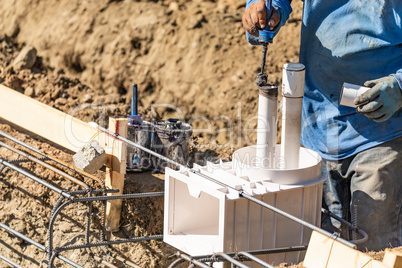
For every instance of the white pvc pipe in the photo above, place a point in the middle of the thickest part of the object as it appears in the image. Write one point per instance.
(350, 92)
(266, 129)
(292, 91)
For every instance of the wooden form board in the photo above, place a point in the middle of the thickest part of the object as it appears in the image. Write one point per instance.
(115, 172)
(392, 259)
(43, 120)
(70, 133)
(325, 252)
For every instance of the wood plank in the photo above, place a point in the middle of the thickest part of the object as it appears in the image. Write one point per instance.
(70, 133)
(325, 252)
(116, 171)
(392, 259)
(43, 120)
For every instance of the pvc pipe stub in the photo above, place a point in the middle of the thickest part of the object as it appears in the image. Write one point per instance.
(349, 93)
(293, 80)
(269, 91)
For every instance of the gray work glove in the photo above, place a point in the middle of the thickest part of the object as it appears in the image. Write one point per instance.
(381, 101)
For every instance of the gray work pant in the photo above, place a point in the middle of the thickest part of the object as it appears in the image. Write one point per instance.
(367, 188)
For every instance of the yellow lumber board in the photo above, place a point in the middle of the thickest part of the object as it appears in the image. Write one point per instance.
(43, 120)
(392, 259)
(115, 172)
(325, 252)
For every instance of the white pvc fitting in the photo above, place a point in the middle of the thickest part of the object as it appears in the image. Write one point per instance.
(349, 93)
(266, 128)
(293, 80)
(292, 91)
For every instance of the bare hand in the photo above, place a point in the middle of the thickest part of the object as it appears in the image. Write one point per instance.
(255, 18)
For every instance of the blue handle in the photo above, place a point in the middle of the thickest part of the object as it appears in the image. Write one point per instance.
(134, 100)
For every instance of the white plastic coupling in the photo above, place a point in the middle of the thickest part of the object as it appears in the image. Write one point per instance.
(293, 80)
(350, 92)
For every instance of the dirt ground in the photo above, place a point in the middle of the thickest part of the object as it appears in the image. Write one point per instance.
(190, 60)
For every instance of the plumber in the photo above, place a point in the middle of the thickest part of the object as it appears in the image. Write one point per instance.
(360, 42)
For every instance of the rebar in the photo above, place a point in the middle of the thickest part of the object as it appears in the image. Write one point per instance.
(38, 180)
(231, 260)
(76, 181)
(254, 258)
(349, 225)
(354, 221)
(59, 206)
(23, 160)
(113, 242)
(36, 244)
(47, 157)
(9, 262)
(187, 258)
(176, 262)
(87, 234)
(50, 230)
(46, 165)
(212, 258)
(114, 197)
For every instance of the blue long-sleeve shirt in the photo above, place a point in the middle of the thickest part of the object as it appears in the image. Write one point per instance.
(345, 41)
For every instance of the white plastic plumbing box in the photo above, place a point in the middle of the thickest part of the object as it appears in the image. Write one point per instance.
(202, 217)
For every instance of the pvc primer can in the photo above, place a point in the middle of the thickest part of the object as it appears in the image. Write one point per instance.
(169, 138)
(138, 131)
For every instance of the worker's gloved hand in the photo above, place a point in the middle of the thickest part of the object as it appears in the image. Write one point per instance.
(255, 18)
(381, 101)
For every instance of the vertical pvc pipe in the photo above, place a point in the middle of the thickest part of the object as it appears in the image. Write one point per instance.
(266, 129)
(292, 91)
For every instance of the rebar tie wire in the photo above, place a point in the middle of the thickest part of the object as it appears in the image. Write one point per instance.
(103, 211)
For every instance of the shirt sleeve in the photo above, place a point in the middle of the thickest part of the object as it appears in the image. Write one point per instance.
(282, 7)
(398, 77)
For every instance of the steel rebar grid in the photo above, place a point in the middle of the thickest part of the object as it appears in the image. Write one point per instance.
(65, 175)
(52, 254)
(38, 180)
(87, 245)
(103, 212)
(76, 181)
(241, 192)
(56, 209)
(36, 244)
(46, 165)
